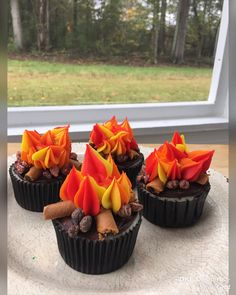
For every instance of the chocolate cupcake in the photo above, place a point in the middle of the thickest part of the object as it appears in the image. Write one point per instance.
(41, 167)
(118, 140)
(97, 222)
(174, 184)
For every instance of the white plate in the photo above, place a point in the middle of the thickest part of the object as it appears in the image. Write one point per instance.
(193, 260)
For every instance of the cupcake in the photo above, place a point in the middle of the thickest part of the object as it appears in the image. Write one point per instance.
(41, 167)
(98, 219)
(173, 184)
(118, 140)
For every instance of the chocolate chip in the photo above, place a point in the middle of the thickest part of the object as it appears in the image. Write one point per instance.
(77, 215)
(54, 171)
(73, 156)
(184, 184)
(136, 207)
(172, 184)
(73, 231)
(47, 174)
(86, 223)
(125, 211)
(20, 168)
(65, 170)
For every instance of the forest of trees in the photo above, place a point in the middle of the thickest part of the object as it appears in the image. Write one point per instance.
(147, 30)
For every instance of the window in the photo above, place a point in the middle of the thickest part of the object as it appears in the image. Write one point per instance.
(148, 118)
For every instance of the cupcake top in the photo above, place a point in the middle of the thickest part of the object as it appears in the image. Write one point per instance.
(47, 155)
(172, 162)
(53, 148)
(99, 191)
(99, 184)
(112, 137)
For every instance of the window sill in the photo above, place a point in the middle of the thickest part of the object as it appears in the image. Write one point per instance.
(148, 127)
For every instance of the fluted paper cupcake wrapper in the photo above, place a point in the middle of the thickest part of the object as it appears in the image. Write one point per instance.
(171, 212)
(94, 256)
(33, 196)
(133, 170)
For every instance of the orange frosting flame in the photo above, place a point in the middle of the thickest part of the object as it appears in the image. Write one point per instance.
(179, 142)
(112, 137)
(45, 151)
(100, 169)
(98, 183)
(173, 161)
(31, 141)
(71, 185)
(83, 191)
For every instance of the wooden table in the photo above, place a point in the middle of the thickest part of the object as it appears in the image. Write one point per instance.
(220, 160)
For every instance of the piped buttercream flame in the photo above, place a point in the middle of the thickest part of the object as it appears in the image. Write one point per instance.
(98, 184)
(113, 138)
(173, 161)
(45, 151)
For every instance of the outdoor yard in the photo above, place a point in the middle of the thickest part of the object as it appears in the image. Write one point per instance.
(38, 83)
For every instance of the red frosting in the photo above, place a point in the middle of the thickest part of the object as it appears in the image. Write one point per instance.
(87, 197)
(95, 165)
(173, 161)
(71, 185)
(48, 150)
(98, 183)
(113, 138)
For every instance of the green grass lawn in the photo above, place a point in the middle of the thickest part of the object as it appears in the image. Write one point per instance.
(37, 83)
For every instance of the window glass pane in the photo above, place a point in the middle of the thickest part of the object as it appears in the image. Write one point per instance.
(114, 51)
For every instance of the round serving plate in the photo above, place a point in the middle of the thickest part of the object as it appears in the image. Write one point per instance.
(191, 260)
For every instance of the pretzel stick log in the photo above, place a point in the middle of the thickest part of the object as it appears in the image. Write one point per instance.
(203, 179)
(33, 174)
(58, 210)
(156, 185)
(106, 223)
(132, 196)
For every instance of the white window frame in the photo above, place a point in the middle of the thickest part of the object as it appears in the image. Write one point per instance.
(145, 118)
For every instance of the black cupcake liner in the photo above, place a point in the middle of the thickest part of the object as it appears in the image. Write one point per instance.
(132, 168)
(94, 256)
(172, 212)
(33, 196)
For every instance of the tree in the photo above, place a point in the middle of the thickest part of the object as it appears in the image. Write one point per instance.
(156, 8)
(200, 24)
(42, 16)
(128, 30)
(180, 32)
(110, 26)
(84, 39)
(161, 43)
(16, 23)
(47, 24)
(75, 22)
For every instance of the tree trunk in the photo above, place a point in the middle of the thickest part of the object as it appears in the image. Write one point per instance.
(16, 23)
(180, 32)
(47, 24)
(42, 11)
(74, 16)
(200, 26)
(161, 43)
(155, 29)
